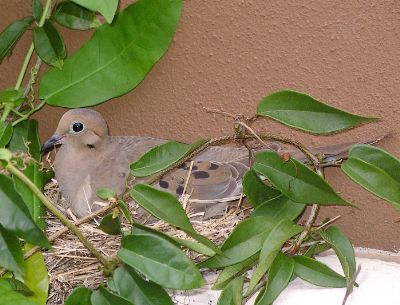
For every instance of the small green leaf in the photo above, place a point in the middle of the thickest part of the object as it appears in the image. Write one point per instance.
(230, 272)
(295, 180)
(24, 133)
(11, 297)
(12, 96)
(343, 249)
(173, 269)
(105, 297)
(161, 157)
(166, 207)
(5, 154)
(280, 207)
(232, 294)
(135, 41)
(195, 246)
(6, 131)
(125, 210)
(132, 287)
(256, 191)
(110, 225)
(105, 193)
(303, 112)
(79, 296)
(11, 256)
(317, 273)
(279, 276)
(75, 17)
(245, 240)
(34, 204)
(35, 276)
(37, 10)
(375, 170)
(282, 230)
(49, 45)
(11, 34)
(105, 7)
(20, 287)
(15, 216)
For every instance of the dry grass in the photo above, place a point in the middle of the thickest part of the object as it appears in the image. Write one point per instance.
(70, 265)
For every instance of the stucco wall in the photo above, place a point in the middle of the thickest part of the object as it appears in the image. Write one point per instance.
(228, 54)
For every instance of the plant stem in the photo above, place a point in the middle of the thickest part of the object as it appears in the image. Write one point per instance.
(31, 47)
(28, 114)
(49, 205)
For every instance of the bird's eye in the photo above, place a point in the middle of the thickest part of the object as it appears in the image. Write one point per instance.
(77, 127)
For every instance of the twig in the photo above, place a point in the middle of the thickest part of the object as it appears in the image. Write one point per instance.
(327, 223)
(49, 205)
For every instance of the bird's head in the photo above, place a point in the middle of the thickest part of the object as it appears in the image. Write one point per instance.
(83, 128)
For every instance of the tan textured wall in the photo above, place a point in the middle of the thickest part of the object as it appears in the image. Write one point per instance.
(228, 54)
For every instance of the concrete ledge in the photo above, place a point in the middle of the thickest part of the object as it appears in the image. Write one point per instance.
(379, 284)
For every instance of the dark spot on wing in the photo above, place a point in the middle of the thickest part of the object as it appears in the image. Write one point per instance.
(195, 167)
(179, 190)
(214, 166)
(163, 184)
(201, 175)
(183, 166)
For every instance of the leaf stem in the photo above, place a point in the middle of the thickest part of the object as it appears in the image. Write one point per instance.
(31, 47)
(28, 114)
(49, 205)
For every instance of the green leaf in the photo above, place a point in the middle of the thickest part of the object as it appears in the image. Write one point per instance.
(125, 210)
(110, 225)
(36, 277)
(256, 191)
(232, 294)
(5, 154)
(136, 40)
(73, 16)
(24, 133)
(15, 216)
(137, 290)
(280, 208)
(375, 170)
(11, 256)
(279, 276)
(195, 246)
(105, 7)
(79, 296)
(343, 249)
(6, 131)
(173, 269)
(245, 240)
(49, 45)
(11, 34)
(34, 204)
(105, 297)
(11, 297)
(161, 157)
(230, 272)
(19, 287)
(37, 10)
(12, 96)
(317, 273)
(282, 230)
(295, 180)
(166, 207)
(105, 193)
(303, 112)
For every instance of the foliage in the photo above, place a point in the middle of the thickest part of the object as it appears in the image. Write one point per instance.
(118, 56)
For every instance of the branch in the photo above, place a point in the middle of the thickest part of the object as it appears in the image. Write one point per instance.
(49, 205)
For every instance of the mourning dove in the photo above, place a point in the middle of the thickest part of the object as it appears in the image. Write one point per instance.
(89, 159)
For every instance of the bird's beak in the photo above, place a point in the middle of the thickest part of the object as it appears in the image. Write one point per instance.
(53, 141)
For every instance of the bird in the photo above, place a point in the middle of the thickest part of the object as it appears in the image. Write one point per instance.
(89, 158)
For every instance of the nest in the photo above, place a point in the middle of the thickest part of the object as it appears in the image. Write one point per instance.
(70, 265)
